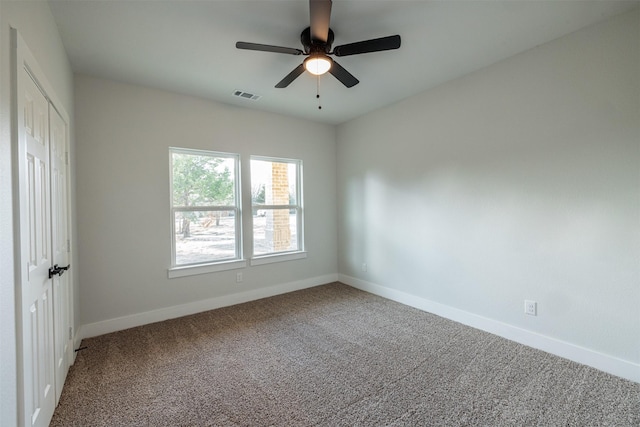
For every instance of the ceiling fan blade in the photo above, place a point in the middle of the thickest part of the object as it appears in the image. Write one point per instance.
(320, 14)
(291, 77)
(373, 45)
(268, 48)
(345, 77)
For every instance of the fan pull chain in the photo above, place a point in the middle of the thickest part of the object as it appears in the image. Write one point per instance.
(318, 93)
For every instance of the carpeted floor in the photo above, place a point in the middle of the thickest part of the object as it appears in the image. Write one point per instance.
(331, 356)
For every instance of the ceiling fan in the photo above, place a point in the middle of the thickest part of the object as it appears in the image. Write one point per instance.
(316, 41)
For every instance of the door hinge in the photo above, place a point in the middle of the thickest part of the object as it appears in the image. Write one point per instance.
(66, 158)
(68, 245)
(70, 332)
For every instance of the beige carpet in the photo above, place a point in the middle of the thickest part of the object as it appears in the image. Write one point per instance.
(331, 356)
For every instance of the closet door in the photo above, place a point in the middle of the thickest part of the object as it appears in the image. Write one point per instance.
(40, 135)
(60, 245)
(37, 335)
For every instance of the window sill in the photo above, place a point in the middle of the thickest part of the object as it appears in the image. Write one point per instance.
(268, 259)
(192, 270)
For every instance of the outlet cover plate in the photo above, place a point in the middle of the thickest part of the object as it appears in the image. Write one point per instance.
(530, 307)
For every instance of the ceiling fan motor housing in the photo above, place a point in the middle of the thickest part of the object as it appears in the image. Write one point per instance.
(315, 46)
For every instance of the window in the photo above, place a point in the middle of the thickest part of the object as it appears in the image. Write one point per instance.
(276, 204)
(205, 209)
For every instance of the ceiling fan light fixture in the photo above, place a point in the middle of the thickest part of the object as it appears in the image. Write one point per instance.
(317, 64)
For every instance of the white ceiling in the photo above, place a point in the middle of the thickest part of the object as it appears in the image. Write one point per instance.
(189, 46)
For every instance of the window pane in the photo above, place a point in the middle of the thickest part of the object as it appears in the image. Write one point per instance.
(274, 230)
(273, 183)
(204, 236)
(201, 180)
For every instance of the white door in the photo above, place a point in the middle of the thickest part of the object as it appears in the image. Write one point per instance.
(60, 247)
(36, 306)
(41, 138)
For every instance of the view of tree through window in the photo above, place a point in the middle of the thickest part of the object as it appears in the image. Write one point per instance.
(204, 206)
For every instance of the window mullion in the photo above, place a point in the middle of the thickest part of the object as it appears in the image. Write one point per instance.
(203, 208)
(275, 207)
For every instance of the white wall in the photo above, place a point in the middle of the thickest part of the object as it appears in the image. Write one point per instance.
(35, 23)
(123, 134)
(519, 181)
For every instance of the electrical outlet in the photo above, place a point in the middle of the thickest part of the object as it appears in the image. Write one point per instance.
(239, 277)
(364, 266)
(530, 307)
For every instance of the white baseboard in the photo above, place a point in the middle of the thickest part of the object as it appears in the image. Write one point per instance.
(77, 339)
(139, 319)
(585, 356)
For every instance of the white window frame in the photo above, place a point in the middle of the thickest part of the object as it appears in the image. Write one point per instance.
(180, 270)
(260, 259)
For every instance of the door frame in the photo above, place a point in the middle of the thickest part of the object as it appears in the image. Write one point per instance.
(21, 57)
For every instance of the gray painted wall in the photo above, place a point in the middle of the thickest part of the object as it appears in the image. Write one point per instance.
(35, 23)
(124, 133)
(519, 181)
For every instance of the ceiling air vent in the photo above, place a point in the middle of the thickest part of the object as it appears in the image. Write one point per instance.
(246, 95)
